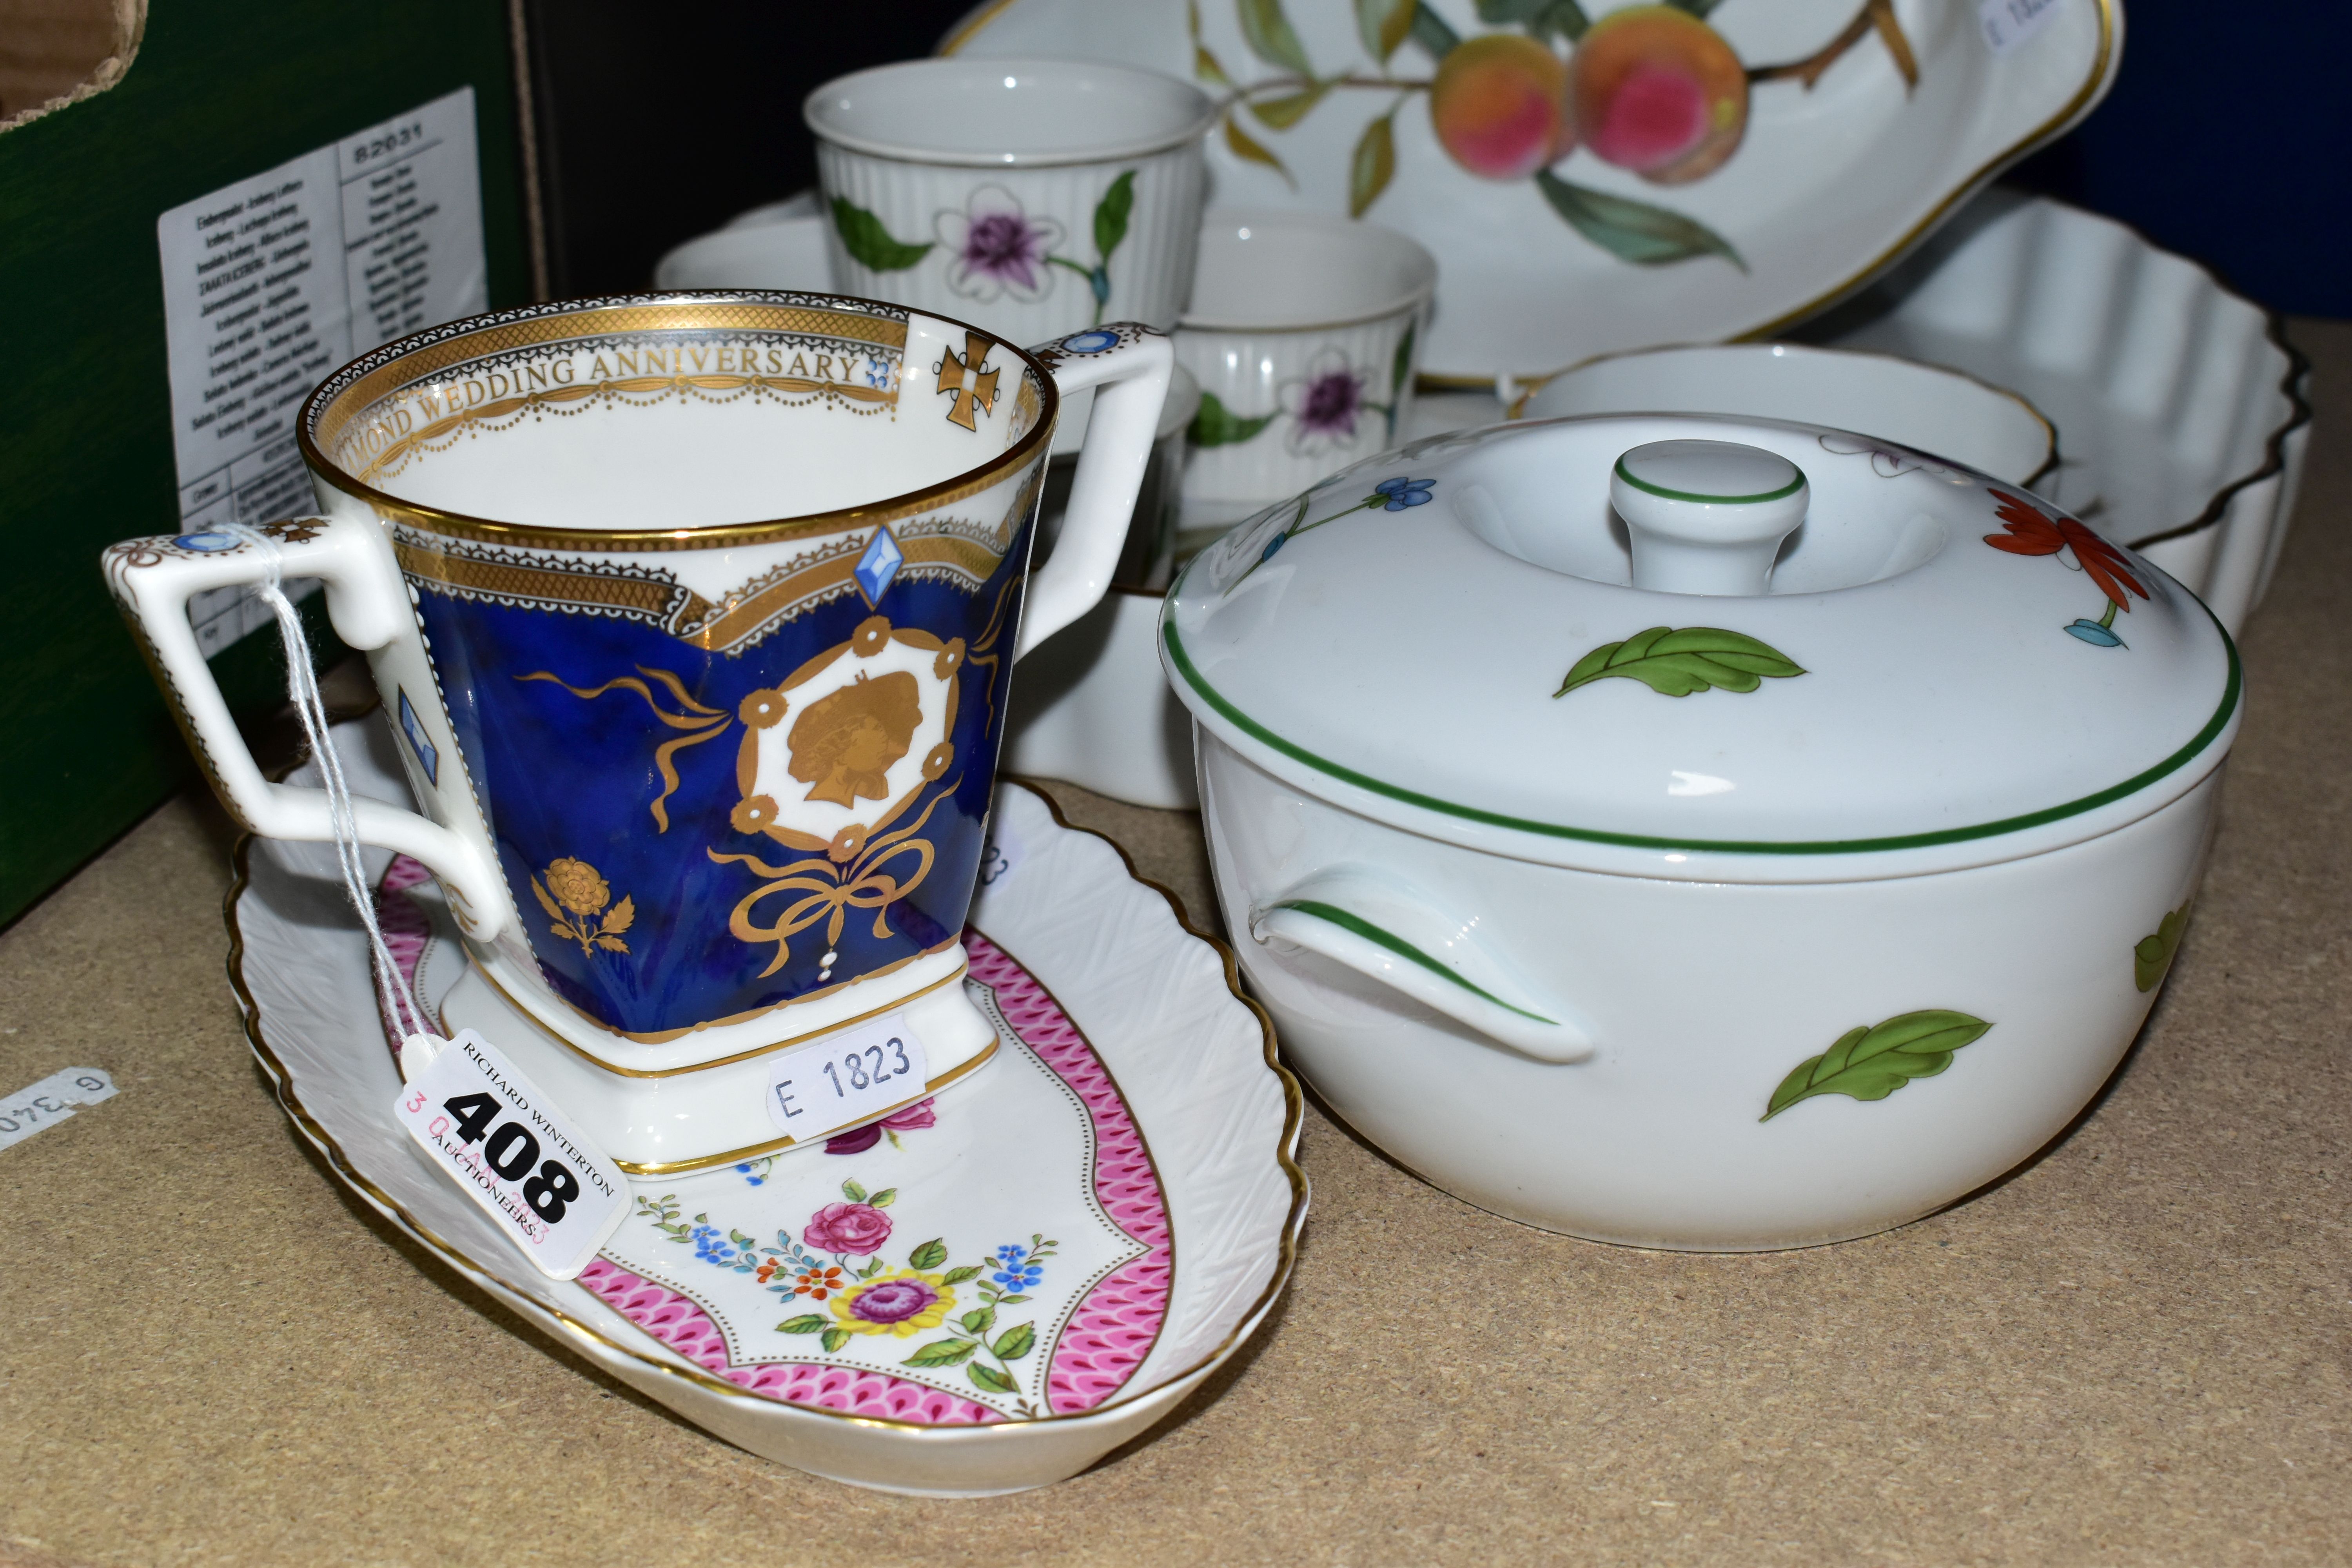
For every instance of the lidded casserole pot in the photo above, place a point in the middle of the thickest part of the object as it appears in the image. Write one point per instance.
(1694, 832)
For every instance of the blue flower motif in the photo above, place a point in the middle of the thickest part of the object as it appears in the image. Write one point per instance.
(1011, 1255)
(2094, 633)
(1403, 493)
(1271, 546)
(748, 1176)
(1019, 1279)
(711, 1246)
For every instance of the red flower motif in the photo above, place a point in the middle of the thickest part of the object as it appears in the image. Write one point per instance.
(2032, 531)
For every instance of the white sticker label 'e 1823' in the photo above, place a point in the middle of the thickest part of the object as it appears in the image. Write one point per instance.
(850, 1077)
(489, 1128)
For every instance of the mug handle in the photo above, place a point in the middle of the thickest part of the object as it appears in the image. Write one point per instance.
(1391, 934)
(1130, 364)
(153, 579)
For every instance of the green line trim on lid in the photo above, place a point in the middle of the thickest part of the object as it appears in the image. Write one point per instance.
(1401, 948)
(2132, 785)
(1791, 487)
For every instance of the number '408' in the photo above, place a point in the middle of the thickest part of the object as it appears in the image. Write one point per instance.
(511, 1150)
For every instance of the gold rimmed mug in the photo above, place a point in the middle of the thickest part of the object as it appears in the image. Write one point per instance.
(694, 614)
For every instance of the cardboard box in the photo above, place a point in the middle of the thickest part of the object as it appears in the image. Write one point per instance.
(108, 118)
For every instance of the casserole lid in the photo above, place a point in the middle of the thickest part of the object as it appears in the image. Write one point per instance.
(1704, 648)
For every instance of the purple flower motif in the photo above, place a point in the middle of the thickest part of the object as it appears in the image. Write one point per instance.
(846, 1228)
(905, 1119)
(995, 248)
(1324, 405)
(893, 1300)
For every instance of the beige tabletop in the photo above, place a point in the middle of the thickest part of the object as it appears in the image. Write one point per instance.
(2134, 1350)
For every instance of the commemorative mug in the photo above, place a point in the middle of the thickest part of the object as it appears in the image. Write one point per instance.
(1036, 197)
(694, 614)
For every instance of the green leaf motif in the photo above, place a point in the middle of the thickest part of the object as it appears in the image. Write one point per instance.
(1433, 32)
(1871, 1063)
(989, 1378)
(834, 1339)
(869, 244)
(942, 1352)
(1014, 1342)
(1111, 214)
(958, 1276)
(1373, 165)
(1250, 150)
(885, 1198)
(1677, 663)
(931, 1255)
(1216, 426)
(1629, 231)
(806, 1323)
(852, 1191)
(1206, 67)
(1012, 1301)
(1282, 114)
(978, 1320)
(1402, 368)
(1384, 24)
(1267, 32)
(2152, 955)
(1540, 17)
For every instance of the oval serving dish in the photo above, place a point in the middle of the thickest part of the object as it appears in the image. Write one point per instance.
(809, 1307)
(1624, 878)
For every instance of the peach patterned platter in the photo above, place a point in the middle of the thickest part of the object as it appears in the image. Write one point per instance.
(1595, 175)
(983, 1293)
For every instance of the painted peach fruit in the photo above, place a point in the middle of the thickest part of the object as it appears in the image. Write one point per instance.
(1658, 92)
(1501, 106)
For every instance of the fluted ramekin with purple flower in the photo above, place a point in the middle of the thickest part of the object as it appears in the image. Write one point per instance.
(1303, 331)
(1035, 198)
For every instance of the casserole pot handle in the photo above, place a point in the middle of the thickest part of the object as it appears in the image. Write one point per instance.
(1390, 933)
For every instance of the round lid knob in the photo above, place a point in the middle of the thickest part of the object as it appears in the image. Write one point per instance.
(1707, 517)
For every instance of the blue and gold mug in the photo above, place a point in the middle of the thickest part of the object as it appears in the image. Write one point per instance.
(694, 614)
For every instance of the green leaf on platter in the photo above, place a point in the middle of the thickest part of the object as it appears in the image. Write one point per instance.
(1565, 17)
(1280, 114)
(979, 1319)
(1267, 32)
(1111, 214)
(1373, 165)
(852, 1191)
(806, 1323)
(958, 1276)
(1384, 24)
(1677, 663)
(2152, 955)
(1014, 1342)
(834, 1339)
(1433, 32)
(869, 244)
(989, 1378)
(942, 1352)
(885, 1198)
(1216, 426)
(873, 1267)
(1871, 1063)
(1010, 1300)
(1400, 369)
(1247, 148)
(1631, 230)
(931, 1255)
(1205, 67)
